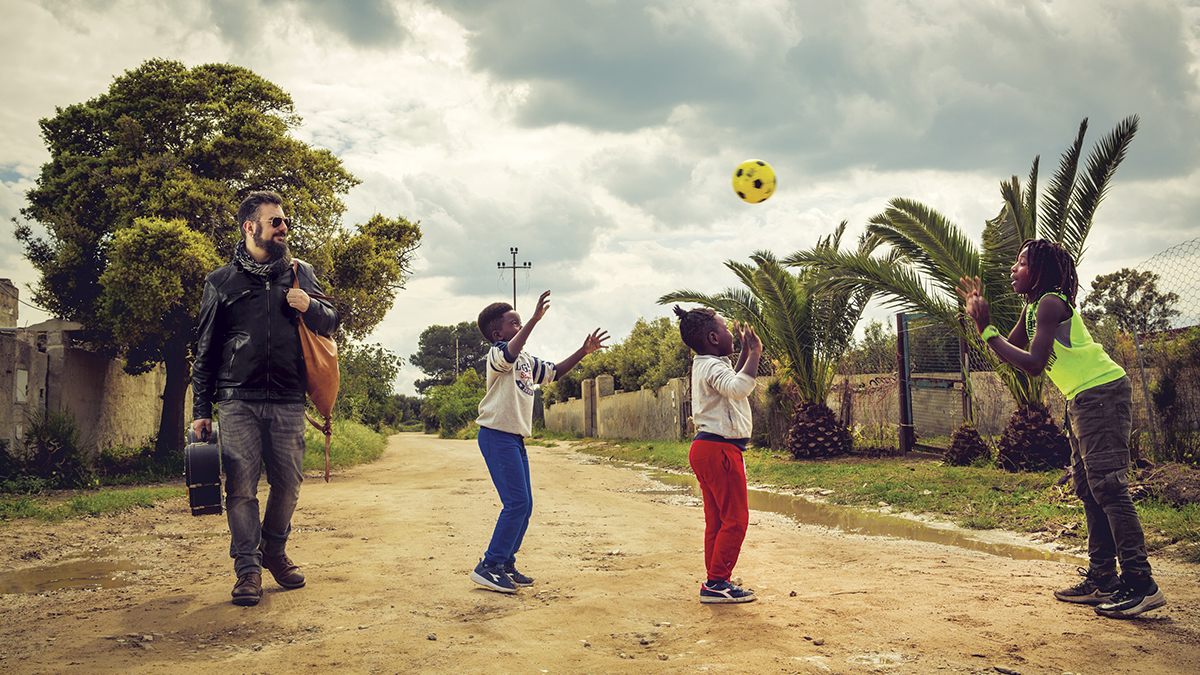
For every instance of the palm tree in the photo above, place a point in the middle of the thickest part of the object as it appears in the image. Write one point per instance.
(929, 254)
(804, 334)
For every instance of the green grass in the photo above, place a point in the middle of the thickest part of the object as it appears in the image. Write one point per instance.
(352, 443)
(56, 507)
(975, 497)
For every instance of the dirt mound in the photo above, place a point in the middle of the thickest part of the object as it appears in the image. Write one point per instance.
(1177, 484)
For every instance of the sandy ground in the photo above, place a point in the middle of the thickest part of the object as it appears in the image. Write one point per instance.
(387, 548)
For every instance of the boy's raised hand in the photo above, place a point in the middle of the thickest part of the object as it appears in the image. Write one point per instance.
(750, 339)
(975, 306)
(595, 341)
(543, 306)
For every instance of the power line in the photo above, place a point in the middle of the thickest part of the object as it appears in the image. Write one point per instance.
(18, 299)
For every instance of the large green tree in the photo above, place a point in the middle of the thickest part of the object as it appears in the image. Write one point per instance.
(929, 254)
(443, 352)
(138, 201)
(1130, 300)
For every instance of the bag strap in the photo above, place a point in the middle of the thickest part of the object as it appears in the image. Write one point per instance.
(327, 429)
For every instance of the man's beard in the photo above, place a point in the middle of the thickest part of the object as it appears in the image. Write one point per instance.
(273, 248)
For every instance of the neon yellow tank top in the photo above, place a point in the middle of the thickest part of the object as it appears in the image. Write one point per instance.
(1082, 365)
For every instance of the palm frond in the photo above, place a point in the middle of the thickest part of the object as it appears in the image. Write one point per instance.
(1058, 197)
(1029, 226)
(1102, 163)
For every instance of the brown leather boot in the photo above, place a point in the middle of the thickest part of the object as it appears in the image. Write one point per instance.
(286, 572)
(248, 590)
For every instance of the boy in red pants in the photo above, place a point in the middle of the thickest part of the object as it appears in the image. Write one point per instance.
(721, 412)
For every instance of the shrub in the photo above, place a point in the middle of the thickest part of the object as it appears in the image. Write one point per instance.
(54, 452)
(966, 446)
(449, 408)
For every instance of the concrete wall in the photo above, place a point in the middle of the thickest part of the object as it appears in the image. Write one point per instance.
(566, 416)
(649, 414)
(8, 304)
(22, 386)
(112, 407)
(40, 367)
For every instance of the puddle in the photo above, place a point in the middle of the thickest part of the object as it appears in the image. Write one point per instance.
(855, 520)
(84, 572)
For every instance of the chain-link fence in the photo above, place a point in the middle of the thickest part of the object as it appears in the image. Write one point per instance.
(1153, 332)
(1159, 346)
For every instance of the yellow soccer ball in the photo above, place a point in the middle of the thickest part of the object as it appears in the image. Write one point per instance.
(754, 181)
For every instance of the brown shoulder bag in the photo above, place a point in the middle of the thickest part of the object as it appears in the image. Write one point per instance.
(321, 366)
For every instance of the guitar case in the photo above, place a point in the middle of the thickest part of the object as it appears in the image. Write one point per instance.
(202, 473)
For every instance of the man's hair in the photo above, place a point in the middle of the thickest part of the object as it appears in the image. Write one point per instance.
(248, 209)
(490, 317)
(1051, 268)
(695, 325)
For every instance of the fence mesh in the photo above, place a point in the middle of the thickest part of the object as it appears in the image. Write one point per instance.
(1164, 360)
(935, 380)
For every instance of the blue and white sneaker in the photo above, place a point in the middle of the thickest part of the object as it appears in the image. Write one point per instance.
(518, 578)
(723, 591)
(493, 578)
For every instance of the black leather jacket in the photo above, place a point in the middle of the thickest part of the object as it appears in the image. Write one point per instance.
(248, 346)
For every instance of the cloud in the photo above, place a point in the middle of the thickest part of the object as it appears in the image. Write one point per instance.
(894, 86)
(599, 137)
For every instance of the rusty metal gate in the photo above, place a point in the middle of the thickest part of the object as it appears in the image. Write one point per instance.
(934, 400)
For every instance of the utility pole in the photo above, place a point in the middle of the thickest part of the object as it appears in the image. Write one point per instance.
(456, 359)
(514, 267)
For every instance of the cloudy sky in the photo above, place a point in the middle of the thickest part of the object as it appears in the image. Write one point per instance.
(599, 136)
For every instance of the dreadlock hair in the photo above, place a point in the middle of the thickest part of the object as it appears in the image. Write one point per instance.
(490, 317)
(695, 325)
(1051, 268)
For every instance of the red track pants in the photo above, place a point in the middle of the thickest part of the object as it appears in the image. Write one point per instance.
(722, 474)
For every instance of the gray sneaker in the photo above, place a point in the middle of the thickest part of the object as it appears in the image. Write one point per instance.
(1093, 590)
(1137, 594)
(493, 577)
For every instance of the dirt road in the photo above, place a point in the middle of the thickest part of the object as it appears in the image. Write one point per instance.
(387, 548)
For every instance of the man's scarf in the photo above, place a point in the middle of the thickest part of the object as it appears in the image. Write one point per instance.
(267, 270)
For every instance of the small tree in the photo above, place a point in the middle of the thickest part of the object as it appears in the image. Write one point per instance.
(450, 408)
(367, 376)
(1130, 300)
(444, 352)
(647, 358)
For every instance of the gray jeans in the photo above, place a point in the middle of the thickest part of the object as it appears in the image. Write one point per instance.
(1101, 420)
(254, 434)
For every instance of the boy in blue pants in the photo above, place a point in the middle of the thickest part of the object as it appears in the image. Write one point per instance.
(505, 419)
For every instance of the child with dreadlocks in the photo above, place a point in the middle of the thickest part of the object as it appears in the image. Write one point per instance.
(721, 413)
(1050, 336)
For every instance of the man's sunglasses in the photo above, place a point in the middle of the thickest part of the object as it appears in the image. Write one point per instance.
(277, 221)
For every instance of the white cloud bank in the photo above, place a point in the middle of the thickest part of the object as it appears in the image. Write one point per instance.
(598, 137)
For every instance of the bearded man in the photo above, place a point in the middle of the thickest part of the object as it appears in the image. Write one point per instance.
(250, 364)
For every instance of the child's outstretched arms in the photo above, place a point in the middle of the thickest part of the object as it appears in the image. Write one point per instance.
(516, 344)
(590, 344)
(1051, 311)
